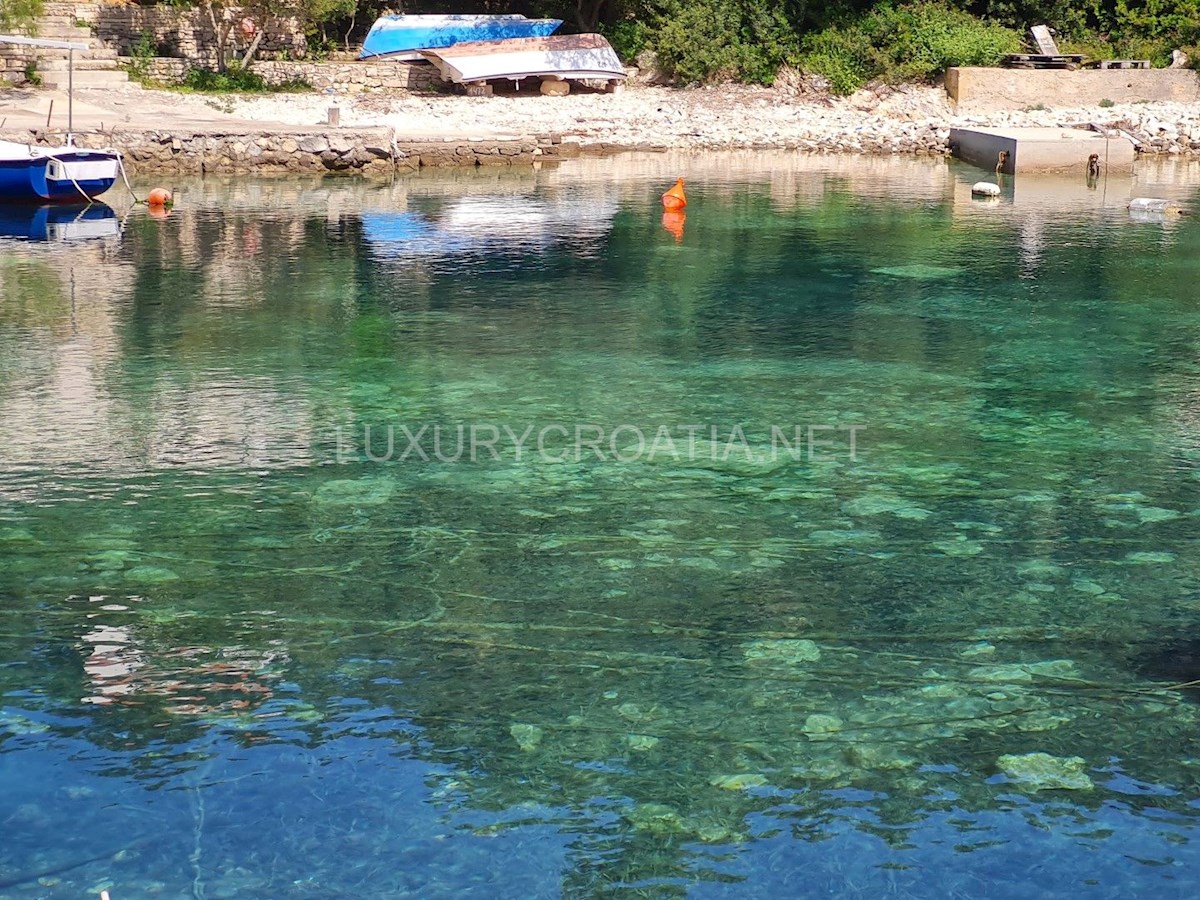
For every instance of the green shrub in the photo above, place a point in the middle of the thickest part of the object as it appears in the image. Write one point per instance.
(629, 37)
(906, 43)
(235, 79)
(141, 54)
(710, 40)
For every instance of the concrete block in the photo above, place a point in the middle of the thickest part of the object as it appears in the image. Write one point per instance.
(1039, 149)
(981, 90)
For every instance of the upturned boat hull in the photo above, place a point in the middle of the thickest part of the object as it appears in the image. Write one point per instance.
(570, 56)
(400, 37)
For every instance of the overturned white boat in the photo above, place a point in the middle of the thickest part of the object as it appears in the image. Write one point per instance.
(558, 57)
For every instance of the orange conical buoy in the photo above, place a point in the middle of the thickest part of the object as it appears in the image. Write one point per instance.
(158, 198)
(673, 221)
(675, 199)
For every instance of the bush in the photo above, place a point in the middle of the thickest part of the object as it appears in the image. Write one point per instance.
(906, 43)
(141, 55)
(711, 40)
(629, 37)
(235, 79)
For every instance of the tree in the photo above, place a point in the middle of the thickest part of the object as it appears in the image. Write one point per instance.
(19, 13)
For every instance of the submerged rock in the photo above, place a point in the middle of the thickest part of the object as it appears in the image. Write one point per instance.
(818, 726)
(739, 782)
(1149, 557)
(788, 652)
(918, 270)
(655, 818)
(1041, 771)
(732, 457)
(151, 575)
(641, 742)
(355, 492)
(528, 737)
(880, 504)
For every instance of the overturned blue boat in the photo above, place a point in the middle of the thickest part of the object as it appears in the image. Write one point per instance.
(400, 37)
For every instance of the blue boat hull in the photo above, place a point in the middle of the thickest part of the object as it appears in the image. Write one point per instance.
(27, 181)
(395, 35)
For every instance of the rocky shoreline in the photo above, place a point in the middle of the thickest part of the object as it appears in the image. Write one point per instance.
(384, 134)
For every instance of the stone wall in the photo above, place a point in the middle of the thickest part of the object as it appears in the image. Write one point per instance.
(338, 77)
(188, 33)
(376, 151)
(987, 90)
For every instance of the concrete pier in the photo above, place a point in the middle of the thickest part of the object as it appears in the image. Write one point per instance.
(1039, 149)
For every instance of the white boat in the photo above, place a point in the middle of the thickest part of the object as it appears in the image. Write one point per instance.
(564, 56)
(62, 174)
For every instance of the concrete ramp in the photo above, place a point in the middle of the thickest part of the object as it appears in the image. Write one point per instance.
(1020, 150)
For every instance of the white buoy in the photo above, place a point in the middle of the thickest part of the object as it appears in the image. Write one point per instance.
(1155, 205)
(985, 189)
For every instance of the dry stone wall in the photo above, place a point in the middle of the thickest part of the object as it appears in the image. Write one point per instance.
(187, 33)
(336, 77)
(375, 151)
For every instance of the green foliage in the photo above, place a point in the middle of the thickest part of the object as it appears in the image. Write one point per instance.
(906, 43)
(1107, 104)
(237, 80)
(141, 54)
(850, 42)
(628, 37)
(31, 74)
(19, 13)
(707, 40)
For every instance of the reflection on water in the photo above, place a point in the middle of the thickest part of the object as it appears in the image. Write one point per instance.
(61, 223)
(247, 648)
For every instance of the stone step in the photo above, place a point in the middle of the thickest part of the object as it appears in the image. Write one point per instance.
(97, 55)
(86, 79)
(65, 33)
(81, 65)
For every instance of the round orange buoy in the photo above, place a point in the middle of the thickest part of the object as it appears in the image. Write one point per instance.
(159, 197)
(673, 220)
(675, 197)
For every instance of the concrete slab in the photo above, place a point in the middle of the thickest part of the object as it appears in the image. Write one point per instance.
(986, 90)
(1039, 149)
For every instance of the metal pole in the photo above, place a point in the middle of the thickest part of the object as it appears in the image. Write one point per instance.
(70, 94)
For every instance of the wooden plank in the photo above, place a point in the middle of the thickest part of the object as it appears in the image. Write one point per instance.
(1044, 41)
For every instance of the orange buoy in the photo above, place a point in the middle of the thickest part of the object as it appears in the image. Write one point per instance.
(159, 197)
(675, 198)
(673, 221)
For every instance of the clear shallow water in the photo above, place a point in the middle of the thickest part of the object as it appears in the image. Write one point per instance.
(240, 658)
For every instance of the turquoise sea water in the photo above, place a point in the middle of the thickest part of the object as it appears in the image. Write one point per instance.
(634, 634)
